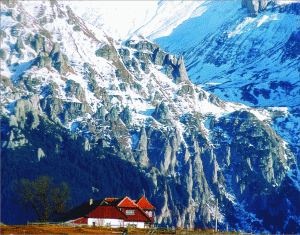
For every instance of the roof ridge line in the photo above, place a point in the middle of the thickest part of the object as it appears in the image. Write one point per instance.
(121, 211)
(129, 199)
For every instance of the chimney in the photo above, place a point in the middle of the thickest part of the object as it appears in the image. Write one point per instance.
(91, 201)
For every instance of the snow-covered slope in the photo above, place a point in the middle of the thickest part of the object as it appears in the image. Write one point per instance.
(239, 57)
(123, 19)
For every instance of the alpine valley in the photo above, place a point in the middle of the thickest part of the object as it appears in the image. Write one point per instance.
(185, 102)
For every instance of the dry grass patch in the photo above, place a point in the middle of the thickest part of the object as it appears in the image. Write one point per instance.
(59, 229)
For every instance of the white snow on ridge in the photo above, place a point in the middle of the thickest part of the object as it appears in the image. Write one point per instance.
(284, 2)
(262, 114)
(122, 19)
(262, 20)
(7, 21)
(239, 29)
(118, 18)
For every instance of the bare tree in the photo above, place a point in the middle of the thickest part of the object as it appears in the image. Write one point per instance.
(43, 196)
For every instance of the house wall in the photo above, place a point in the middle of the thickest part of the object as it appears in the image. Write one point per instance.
(136, 224)
(106, 222)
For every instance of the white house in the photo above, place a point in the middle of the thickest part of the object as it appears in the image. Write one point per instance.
(114, 212)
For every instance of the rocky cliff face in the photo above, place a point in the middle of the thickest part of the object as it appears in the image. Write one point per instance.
(115, 119)
(254, 6)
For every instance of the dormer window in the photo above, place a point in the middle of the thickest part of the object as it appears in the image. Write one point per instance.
(130, 212)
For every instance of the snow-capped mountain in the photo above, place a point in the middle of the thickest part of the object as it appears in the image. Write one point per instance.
(152, 19)
(243, 58)
(241, 51)
(115, 118)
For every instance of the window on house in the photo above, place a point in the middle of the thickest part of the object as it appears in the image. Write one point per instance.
(130, 212)
(149, 213)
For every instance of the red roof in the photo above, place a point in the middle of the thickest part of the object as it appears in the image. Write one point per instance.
(110, 199)
(127, 202)
(113, 208)
(107, 212)
(139, 215)
(145, 204)
(81, 220)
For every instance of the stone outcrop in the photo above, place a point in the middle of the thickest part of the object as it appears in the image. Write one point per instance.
(22, 18)
(53, 107)
(28, 106)
(37, 42)
(59, 61)
(40, 154)
(147, 53)
(141, 149)
(125, 116)
(74, 89)
(19, 45)
(113, 114)
(17, 30)
(216, 100)
(180, 71)
(142, 45)
(2, 34)
(108, 52)
(100, 113)
(55, 49)
(255, 6)
(43, 60)
(3, 54)
(51, 90)
(56, 59)
(77, 109)
(145, 57)
(15, 140)
(159, 57)
(145, 67)
(124, 52)
(161, 113)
